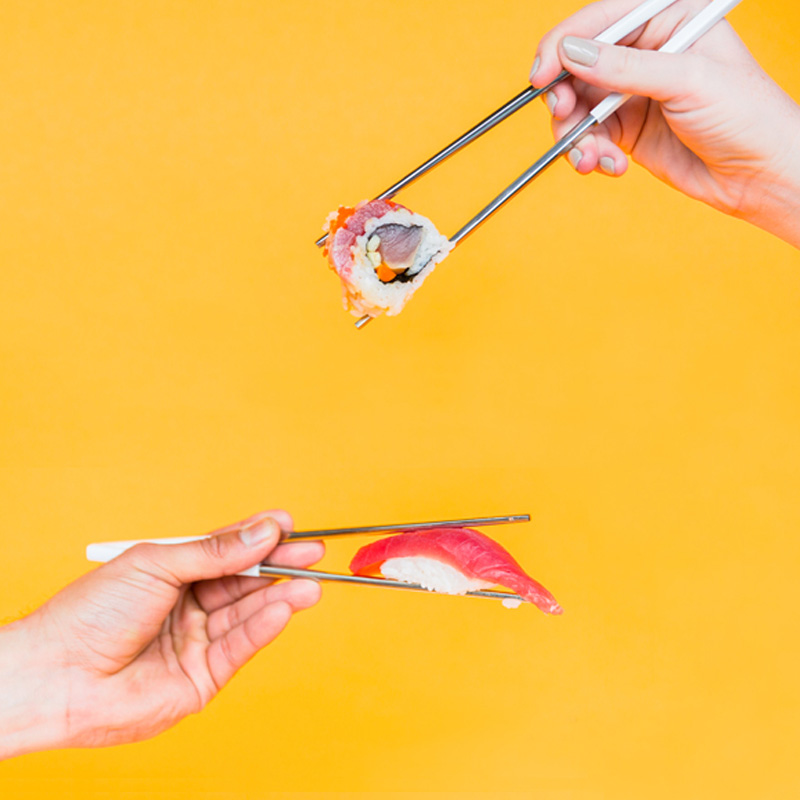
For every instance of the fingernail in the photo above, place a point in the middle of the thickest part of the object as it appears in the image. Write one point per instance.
(608, 166)
(535, 67)
(257, 532)
(575, 157)
(581, 51)
(552, 101)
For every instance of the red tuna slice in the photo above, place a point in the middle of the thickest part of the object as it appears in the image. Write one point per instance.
(468, 551)
(345, 229)
(339, 251)
(357, 222)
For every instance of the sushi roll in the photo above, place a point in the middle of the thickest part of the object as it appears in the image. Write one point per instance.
(453, 561)
(382, 252)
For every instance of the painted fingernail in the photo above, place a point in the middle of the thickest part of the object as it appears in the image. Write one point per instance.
(535, 67)
(608, 166)
(257, 532)
(575, 157)
(552, 101)
(581, 51)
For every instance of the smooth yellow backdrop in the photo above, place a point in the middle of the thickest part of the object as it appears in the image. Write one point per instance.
(609, 356)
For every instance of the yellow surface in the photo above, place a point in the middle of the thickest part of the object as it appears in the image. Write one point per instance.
(609, 356)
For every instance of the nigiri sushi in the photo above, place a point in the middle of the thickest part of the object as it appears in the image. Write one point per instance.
(453, 561)
(382, 252)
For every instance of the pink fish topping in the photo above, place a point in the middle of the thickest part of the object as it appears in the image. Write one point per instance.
(470, 552)
(349, 224)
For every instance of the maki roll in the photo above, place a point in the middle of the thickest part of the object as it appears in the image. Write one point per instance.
(382, 252)
(452, 561)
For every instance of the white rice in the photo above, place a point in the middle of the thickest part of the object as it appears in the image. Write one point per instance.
(432, 574)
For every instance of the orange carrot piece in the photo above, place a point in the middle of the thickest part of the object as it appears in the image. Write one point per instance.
(385, 273)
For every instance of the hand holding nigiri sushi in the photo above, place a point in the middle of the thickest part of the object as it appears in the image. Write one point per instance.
(716, 126)
(134, 646)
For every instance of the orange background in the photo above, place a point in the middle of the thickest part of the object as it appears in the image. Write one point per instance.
(609, 356)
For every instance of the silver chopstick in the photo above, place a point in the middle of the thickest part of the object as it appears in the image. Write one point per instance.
(561, 147)
(485, 125)
(386, 583)
(611, 35)
(478, 522)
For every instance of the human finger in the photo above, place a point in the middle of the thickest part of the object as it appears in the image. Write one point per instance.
(628, 70)
(561, 100)
(220, 592)
(214, 594)
(597, 153)
(611, 160)
(204, 559)
(282, 517)
(231, 652)
(583, 155)
(601, 149)
(297, 594)
(588, 23)
(296, 554)
(237, 526)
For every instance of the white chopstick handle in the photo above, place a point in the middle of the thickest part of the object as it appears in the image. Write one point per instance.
(632, 20)
(105, 551)
(697, 27)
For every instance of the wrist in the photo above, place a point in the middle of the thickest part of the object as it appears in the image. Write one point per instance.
(772, 200)
(778, 209)
(33, 707)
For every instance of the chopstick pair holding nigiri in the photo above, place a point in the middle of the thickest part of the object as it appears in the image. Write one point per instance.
(694, 29)
(105, 551)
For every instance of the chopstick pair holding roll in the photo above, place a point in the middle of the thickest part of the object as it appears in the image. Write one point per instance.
(450, 544)
(693, 30)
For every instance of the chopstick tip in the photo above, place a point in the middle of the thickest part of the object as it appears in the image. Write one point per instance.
(365, 320)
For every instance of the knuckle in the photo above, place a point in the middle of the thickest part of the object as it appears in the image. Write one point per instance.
(214, 547)
(143, 556)
(226, 648)
(551, 39)
(141, 551)
(234, 617)
(145, 560)
(628, 60)
(252, 646)
(600, 10)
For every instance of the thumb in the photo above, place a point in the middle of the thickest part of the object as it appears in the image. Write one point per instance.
(212, 557)
(628, 70)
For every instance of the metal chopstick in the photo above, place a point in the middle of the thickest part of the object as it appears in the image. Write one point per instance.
(485, 125)
(386, 583)
(611, 35)
(561, 147)
(413, 526)
(698, 26)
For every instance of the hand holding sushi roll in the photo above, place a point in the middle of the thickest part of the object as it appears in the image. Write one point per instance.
(709, 122)
(134, 646)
